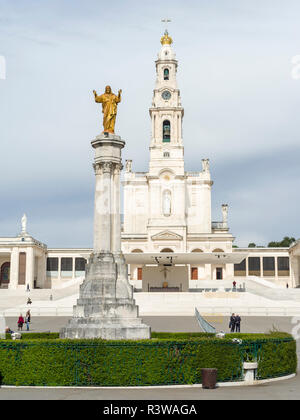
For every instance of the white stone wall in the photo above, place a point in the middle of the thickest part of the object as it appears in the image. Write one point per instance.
(136, 203)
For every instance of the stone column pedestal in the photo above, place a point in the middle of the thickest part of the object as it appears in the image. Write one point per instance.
(106, 308)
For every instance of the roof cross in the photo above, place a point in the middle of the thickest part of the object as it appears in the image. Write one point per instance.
(166, 21)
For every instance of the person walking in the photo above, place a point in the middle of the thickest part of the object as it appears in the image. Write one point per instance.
(232, 323)
(237, 323)
(28, 314)
(27, 318)
(20, 323)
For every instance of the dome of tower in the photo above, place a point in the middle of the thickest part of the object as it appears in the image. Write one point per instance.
(166, 39)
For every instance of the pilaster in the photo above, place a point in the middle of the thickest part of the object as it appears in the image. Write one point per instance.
(29, 279)
(14, 269)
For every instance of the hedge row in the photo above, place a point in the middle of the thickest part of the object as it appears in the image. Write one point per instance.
(168, 335)
(160, 361)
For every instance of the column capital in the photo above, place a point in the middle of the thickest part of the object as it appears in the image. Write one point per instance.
(103, 167)
(117, 168)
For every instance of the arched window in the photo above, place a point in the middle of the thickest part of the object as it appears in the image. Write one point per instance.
(166, 74)
(197, 250)
(167, 250)
(166, 131)
(5, 273)
(218, 250)
(136, 251)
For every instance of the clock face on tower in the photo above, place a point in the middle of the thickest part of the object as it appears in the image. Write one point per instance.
(166, 95)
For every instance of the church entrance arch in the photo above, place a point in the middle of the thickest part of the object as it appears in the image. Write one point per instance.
(5, 274)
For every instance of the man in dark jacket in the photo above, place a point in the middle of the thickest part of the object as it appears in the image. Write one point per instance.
(232, 323)
(237, 323)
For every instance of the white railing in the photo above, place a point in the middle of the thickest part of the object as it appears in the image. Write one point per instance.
(192, 173)
(219, 225)
(140, 174)
(38, 311)
(204, 310)
(250, 311)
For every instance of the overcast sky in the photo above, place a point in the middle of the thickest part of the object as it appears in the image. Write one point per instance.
(241, 107)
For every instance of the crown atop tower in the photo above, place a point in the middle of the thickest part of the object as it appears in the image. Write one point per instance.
(166, 39)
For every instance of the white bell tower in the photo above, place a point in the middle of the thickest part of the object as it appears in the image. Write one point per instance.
(166, 149)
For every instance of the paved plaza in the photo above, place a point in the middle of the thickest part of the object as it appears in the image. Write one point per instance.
(250, 324)
(281, 390)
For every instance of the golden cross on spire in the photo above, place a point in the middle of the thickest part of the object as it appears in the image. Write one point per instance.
(166, 39)
(166, 21)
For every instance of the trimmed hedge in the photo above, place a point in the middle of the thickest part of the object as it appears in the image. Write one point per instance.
(159, 361)
(276, 359)
(167, 335)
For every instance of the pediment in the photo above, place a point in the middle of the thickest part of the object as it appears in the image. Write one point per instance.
(166, 235)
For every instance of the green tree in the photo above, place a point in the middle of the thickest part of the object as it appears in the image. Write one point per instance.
(285, 243)
(252, 245)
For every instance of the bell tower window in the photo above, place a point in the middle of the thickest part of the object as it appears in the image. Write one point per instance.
(166, 131)
(166, 74)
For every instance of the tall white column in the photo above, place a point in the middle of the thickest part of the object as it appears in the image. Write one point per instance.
(59, 268)
(207, 272)
(102, 214)
(276, 267)
(73, 268)
(229, 272)
(116, 228)
(29, 278)
(14, 269)
(295, 270)
(41, 276)
(261, 267)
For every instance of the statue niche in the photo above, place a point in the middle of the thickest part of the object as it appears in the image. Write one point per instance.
(167, 203)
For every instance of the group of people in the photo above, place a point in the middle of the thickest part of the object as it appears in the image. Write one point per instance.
(22, 321)
(235, 323)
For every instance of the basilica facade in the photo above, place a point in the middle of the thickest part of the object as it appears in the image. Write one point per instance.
(168, 237)
(168, 209)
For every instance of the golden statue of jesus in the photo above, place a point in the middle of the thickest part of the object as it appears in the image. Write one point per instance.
(109, 103)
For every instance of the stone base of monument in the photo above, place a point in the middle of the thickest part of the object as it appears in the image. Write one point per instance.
(103, 328)
(99, 312)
